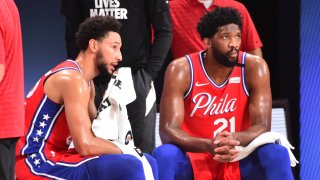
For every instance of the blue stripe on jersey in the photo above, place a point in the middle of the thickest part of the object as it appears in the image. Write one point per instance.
(243, 60)
(40, 166)
(42, 123)
(191, 76)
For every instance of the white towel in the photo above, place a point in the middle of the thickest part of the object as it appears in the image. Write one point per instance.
(265, 138)
(112, 121)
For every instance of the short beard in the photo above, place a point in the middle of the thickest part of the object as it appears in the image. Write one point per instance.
(223, 59)
(103, 71)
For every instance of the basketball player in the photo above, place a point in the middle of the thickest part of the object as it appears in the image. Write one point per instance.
(214, 100)
(60, 108)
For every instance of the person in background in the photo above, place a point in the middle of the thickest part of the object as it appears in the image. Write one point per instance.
(186, 14)
(59, 110)
(11, 87)
(214, 100)
(143, 54)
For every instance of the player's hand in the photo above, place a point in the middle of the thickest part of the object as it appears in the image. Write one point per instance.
(224, 150)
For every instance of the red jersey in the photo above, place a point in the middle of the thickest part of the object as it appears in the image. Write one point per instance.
(46, 142)
(211, 108)
(12, 83)
(186, 14)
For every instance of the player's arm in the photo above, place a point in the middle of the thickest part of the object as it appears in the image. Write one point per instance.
(260, 99)
(74, 93)
(176, 83)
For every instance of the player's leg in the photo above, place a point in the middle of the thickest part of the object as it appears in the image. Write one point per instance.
(119, 166)
(270, 161)
(173, 163)
(113, 166)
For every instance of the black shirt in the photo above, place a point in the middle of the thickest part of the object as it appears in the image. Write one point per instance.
(138, 18)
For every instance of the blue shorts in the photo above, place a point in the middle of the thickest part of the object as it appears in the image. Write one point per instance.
(269, 161)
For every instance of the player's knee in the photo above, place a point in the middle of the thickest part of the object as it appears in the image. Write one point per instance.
(131, 162)
(165, 151)
(273, 152)
(123, 165)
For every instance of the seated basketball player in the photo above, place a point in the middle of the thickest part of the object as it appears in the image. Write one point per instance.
(213, 101)
(60, 108)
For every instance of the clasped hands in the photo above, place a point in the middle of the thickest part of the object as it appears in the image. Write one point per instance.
(224, 147)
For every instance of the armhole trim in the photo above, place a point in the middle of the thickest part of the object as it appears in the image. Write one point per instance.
(191, 77)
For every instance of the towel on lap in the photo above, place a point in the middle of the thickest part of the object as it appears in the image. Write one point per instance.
(265, 138)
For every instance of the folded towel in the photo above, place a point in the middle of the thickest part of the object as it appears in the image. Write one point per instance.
(112, 120)
(265, 138)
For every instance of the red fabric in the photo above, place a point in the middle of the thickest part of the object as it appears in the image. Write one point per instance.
(212, 108)
(11, 86)
(185, 16)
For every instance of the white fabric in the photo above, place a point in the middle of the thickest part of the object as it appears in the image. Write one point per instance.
(151, 99)
(265, 138)
(206, 3)
(112, 122)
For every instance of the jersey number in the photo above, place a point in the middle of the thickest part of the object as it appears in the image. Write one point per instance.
(223, 124)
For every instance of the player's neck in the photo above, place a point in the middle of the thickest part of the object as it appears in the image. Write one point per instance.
(216, 71)
(86, 66)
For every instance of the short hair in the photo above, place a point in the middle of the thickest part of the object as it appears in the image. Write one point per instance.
(220, 16)
(96, 28)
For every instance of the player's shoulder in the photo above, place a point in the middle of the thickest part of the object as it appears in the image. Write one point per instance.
(178, 68)
(66, 77)
(254, 62)
(180, 64)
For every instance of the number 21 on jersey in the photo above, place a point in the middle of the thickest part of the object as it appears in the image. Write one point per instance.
(223, 124)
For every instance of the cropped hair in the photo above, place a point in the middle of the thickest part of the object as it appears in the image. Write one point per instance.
(96, 28)
(220, 16)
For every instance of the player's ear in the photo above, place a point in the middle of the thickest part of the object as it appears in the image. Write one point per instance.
(92, 45)
(207, 42)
